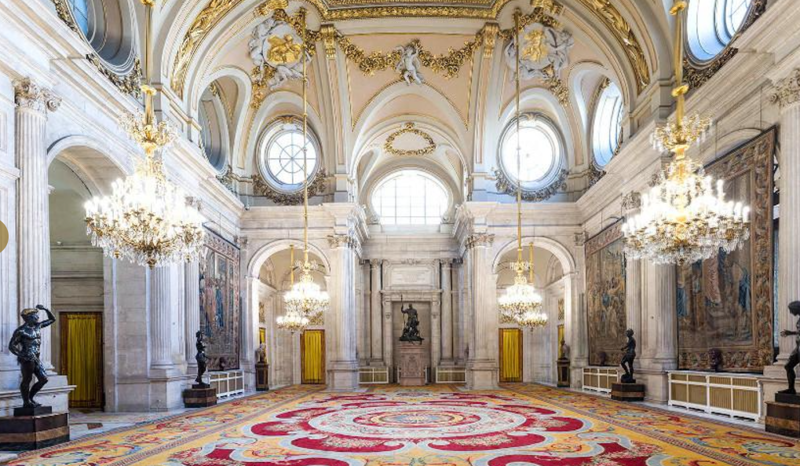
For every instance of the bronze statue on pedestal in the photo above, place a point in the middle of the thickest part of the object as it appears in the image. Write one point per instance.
(411, 329)
(25, 344)
(202, 360)
(628, 357)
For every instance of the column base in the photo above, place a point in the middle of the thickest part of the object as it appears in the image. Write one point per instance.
(482, 375)
(343, 376)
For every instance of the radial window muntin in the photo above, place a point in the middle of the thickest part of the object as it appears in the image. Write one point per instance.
(281, 155)
(542, 153)
(711, 25)
(607, 124)
(410, 196)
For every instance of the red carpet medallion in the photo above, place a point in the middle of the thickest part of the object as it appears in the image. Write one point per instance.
(432, 426)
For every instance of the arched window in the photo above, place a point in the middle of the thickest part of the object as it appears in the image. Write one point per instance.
(410, 197)
(108, 26)
(281, 155)
(541, 152)
(607, 124)
(212, 125)
(712, 24)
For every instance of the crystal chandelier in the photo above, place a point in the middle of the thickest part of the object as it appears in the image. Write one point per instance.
(685, 217)
(146, 219)
(305, 301)
(521, 302)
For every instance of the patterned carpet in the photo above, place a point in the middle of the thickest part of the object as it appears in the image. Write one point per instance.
(431, 426)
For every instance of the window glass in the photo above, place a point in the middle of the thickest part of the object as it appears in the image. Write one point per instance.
(607, 124)
(711, 25)
(283, 156)
(410, 197)
(80, 10)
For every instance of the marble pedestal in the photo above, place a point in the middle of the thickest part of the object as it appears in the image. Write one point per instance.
(412, 366)
(33, 428)
(199, 396)
(627, 391)
(563, 372)
(783, 415)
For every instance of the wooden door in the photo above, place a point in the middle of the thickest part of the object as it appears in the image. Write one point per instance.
(312, 356)
(82, 357)
(510, 355)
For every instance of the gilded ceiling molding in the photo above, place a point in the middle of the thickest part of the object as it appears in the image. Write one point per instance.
(128, 83)
(696, 74)
(624, 34)
(447, 65)
(409, 128)
(208, 17)
(557, 87)
(505, 186)
(262, 188)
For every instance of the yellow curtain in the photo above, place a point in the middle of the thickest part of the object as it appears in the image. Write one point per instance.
(313, 355)
(510, 355)
(82, 358)
(262, 336)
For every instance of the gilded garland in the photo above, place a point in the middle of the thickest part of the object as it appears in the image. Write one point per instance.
(409, 128)
(506, 186)
(262, 188)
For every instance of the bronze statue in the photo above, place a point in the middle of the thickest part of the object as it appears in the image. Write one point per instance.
(411, 330)
(25, 345)
(794, 358)
(628, 358)
(202, 360)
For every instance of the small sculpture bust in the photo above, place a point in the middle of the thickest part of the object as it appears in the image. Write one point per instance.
(261, 353)
(564, 350)
(715, 359)
(628, 357)
(794, 358)
(411, 329)
(202, 360)
(602, 357)
(25, 344)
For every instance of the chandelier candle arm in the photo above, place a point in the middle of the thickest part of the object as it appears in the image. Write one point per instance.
(685, 217)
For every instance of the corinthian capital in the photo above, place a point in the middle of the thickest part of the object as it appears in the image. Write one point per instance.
(342, 241)
(30, 95)
(480, 240)
(788, 90)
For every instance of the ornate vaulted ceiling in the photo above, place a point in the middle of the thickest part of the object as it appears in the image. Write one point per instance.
(460, 97)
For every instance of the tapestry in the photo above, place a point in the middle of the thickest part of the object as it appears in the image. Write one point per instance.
(726, 302)
(605, 285)
(219, 302)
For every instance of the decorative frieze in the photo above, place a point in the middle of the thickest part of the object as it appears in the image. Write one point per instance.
(505, 185)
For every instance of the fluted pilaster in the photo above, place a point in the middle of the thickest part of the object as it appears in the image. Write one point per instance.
(192, 312)
(447, 313)
(161, 300)
(343, 369)
(482, 369)
(376, 314)
(33, 213)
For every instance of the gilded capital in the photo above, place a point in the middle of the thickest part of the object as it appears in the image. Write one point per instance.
(328, 33)
(30, 95)
(490, 32)
(788, 90)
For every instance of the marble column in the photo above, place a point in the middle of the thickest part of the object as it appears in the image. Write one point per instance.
(436, 334)
(658, 339)
(633, 274)
(343, 368)
(788, 98)
(376, 315)
(163, 301)
(364, 318)
(388, 338)
(447, 314)
(482, 367)
(33, 209)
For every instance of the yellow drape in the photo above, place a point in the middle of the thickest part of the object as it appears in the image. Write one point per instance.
(313, 354)
(510, 355)
(262, 336)
(82, 358)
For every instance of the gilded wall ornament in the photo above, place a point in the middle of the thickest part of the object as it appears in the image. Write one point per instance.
(409, 128)
(263, 188)
(506, 186)
(208, 17)
(624, 34)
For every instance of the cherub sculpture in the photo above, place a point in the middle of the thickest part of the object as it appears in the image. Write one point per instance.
(409, 65)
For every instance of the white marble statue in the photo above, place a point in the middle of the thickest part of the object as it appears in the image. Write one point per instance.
(409, 65)
(542, 46)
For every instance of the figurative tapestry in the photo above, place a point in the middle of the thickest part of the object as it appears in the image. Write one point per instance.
(725, 302)
(219, 302)
(605, 285)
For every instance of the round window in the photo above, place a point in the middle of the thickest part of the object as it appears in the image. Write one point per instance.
(283, 161)
(712, 24)
(607, 124)
(534, 159)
